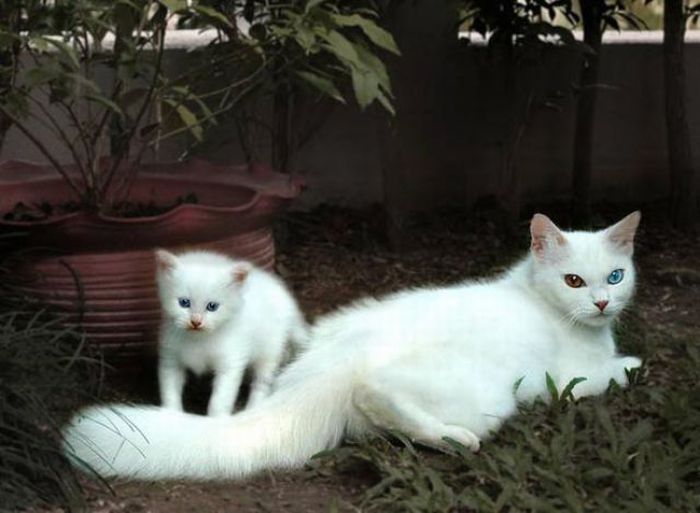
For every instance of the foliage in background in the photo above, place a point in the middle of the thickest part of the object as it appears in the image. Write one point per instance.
(596, 17)
(518, 33)
(313, 47)
(515, 29)
(46, 372)
(636, 449)
(92, 73)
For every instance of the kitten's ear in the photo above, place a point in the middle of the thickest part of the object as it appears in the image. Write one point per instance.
(241, 271)
(546, 237)
(621, 234)
(165, 260)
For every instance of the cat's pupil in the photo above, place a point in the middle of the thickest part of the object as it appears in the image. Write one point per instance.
(184, 302)
(616, 276)
(212, 306)
(574, 280)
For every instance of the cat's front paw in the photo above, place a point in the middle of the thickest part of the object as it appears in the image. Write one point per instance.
(624, 366)
(630, 362)
(463, 436)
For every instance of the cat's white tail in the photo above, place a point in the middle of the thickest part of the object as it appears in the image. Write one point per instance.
(306, 415)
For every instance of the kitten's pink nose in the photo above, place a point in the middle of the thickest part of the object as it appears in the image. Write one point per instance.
(195, 323)
(601, 304)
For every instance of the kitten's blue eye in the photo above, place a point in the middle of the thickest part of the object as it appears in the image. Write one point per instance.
(212, 307)
(616, 276)
(184, 302)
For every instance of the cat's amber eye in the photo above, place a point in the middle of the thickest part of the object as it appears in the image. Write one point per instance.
(574, 280)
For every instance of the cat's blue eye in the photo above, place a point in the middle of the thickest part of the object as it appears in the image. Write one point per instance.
(616, 276)
(184, 302)
(212, 307)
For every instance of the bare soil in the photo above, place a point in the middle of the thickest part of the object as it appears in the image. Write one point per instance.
(333, 256)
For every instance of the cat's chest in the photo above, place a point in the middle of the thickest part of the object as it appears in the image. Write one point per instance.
(202, 356)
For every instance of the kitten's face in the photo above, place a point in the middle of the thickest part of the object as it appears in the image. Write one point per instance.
(589, 276)
(195, 296)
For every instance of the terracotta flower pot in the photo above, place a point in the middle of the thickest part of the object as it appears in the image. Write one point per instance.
(100, 269)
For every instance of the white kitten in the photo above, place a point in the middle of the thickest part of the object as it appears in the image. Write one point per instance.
(431, 363)
(222, 316)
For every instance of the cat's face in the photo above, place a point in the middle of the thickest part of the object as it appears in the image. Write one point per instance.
(588, 276)
(198, 296)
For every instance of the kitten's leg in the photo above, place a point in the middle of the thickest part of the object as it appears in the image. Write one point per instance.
(171, 380)
(224, 391)
(263, 376)
(392, 411)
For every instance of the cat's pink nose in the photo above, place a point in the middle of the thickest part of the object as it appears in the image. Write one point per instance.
(195, 323)
(601, 305)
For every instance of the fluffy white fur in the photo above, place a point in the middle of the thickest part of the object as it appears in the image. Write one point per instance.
(235, 316)
(431, 363)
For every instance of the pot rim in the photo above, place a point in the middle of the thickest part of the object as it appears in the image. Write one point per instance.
(261, 180)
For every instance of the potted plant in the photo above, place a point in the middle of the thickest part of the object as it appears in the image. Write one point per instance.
(92, 74)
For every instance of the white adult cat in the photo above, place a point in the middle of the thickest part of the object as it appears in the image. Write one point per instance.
(431, 363)
(222, 316)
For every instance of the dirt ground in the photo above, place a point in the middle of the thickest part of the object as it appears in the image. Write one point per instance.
(333, 256)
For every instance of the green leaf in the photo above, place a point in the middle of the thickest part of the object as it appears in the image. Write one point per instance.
(341, 47)
(305, 37)
(81, 80)
(598, 473)
(311, 4)
(105, 102)
(40, 75)
(517, 384)
(373, 64)
(386, 103)
(39, 43)
(323, 84)
(213, 14)
(365, 87)
(568, 389)
(174, 5)
(552, 387)
(374, 32)
(8, 38)
(190, 120)
(605, 421)
(65, 50)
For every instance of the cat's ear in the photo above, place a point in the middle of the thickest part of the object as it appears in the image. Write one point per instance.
(165, 260)
(621, 234)
(241, 271)
(547, 239)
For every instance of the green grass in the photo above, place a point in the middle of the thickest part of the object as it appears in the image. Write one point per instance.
(44, 373)
(635, 449)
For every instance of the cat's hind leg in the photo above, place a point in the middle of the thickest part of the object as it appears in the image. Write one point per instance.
(390, 410)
